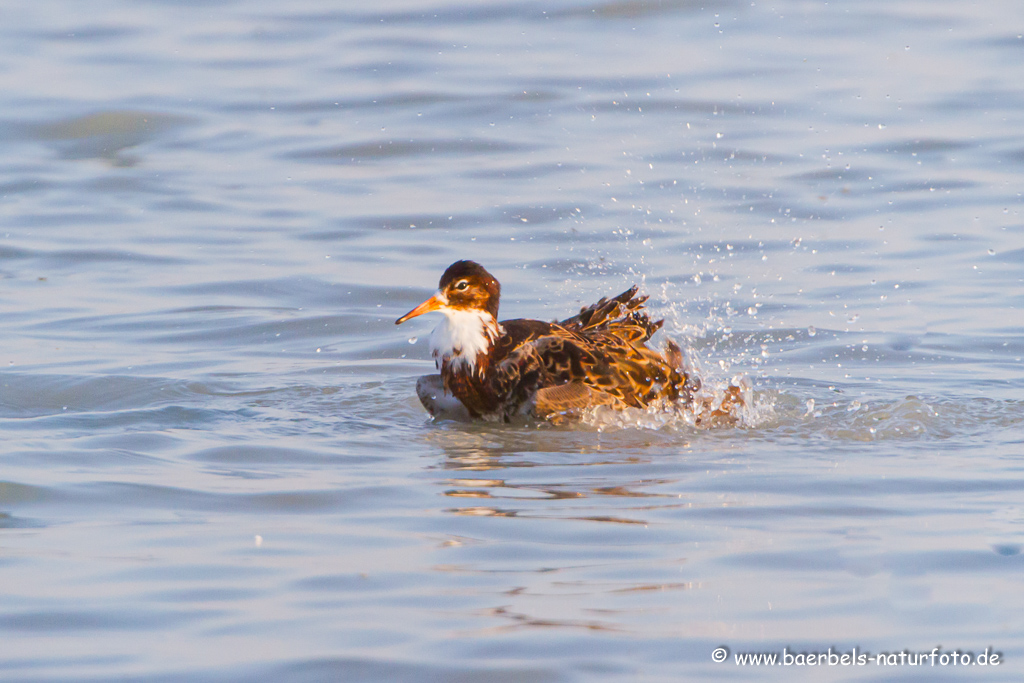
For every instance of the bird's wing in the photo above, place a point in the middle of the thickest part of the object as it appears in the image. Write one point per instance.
(613, 370)
(597, 357)
(568, 399)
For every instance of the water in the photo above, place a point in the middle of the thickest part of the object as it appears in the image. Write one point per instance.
(214, 466)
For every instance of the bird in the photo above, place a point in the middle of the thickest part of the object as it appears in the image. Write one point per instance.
(498, 371)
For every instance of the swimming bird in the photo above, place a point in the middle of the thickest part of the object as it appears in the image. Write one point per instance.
(498, 370)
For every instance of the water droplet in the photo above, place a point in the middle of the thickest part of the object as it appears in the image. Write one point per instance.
(991, 252)
(412, 340)
(810, 405)
(811, 331)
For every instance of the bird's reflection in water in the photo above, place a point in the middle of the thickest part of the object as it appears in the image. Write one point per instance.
(524, 621)
(594, 605)
(549, 473)
(604, 506)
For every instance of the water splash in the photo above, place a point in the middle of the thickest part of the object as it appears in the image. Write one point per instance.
(717, 403)
(711, 352)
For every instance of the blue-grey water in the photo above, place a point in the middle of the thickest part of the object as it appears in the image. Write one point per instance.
(214, 466)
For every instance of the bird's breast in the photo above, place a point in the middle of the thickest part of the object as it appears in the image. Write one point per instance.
(462, 338)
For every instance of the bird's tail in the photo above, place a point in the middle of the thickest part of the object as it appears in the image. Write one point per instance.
(622, 315)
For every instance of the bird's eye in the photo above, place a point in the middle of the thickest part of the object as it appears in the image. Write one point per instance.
(462, 285)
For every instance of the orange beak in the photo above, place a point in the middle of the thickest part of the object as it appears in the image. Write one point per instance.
(434, 303)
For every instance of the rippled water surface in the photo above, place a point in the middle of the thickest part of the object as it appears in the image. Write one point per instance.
(214, 466)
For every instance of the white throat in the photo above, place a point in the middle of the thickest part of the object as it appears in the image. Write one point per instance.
(462, 336)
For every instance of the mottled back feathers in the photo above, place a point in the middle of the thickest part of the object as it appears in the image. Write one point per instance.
(596, 357)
